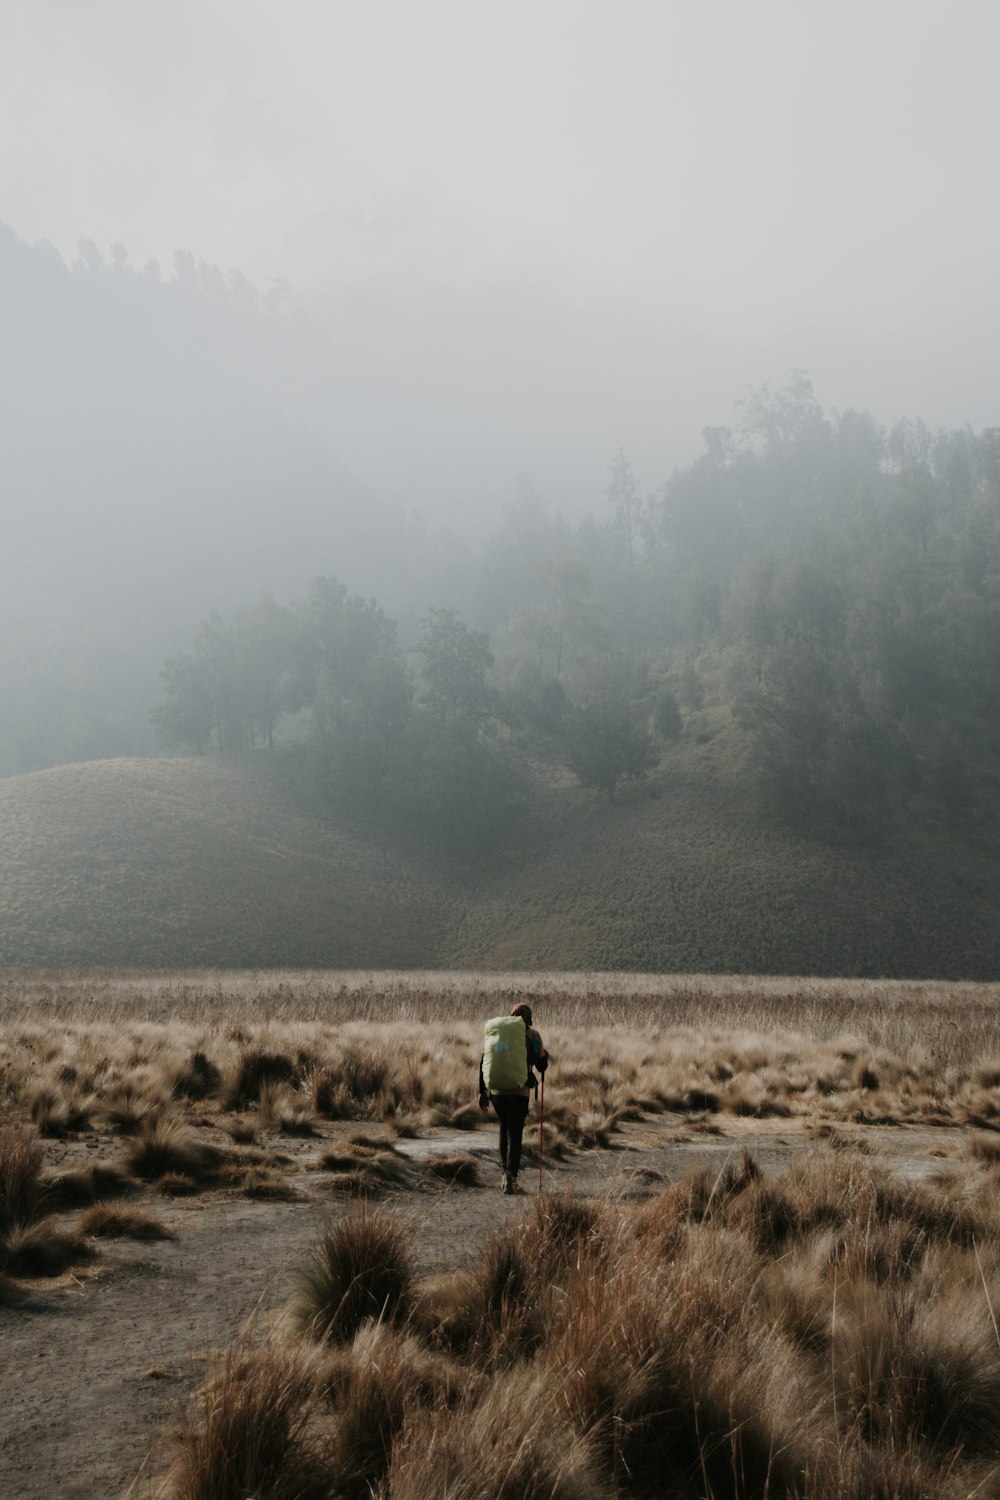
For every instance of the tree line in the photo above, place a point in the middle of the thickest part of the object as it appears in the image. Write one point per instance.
(426, 731)
(828, 586)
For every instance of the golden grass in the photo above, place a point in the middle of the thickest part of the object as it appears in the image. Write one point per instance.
(139, 1054)
(957, 1020)
(825, 1332)
(175, 1075)
(22, 1191)
(250, 1436)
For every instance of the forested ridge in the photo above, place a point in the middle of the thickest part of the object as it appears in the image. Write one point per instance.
(825, 590)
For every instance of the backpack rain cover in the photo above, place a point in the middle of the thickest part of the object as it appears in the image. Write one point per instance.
(505, 1054)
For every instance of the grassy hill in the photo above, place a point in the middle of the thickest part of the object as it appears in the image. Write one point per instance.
(680, 875)
(164, 862)
(197, 862)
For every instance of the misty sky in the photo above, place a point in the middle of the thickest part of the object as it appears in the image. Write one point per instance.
(521, 235)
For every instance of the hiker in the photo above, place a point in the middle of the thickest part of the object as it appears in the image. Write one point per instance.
(512, 1049)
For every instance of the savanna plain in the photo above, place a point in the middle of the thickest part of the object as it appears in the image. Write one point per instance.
(252, 1241)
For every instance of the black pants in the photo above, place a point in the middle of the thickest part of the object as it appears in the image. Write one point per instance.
(513, 1111)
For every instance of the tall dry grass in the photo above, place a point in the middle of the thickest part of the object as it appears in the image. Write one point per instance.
(249, 1435)
(359, 1271)
(124, 1053)
(958, 1021)
(829, 1331)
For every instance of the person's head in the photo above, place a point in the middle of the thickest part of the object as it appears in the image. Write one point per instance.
(524, 1011)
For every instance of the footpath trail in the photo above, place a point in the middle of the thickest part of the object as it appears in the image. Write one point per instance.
(93, 1367)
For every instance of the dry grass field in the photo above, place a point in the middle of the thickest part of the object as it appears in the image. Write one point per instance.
(260, 1210)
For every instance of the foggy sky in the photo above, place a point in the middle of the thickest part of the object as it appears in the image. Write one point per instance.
(523, 235)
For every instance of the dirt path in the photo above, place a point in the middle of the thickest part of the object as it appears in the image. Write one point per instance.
(92, 1368)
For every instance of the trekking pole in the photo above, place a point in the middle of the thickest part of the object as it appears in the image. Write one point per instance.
(541, 1133)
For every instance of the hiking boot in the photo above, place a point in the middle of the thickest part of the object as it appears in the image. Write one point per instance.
(509, 1183)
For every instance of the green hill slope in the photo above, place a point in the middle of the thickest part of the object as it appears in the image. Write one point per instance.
(681, 876)
(196, 862)
(176, 862)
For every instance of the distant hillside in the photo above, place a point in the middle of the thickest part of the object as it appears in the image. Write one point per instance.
(167, 862)
(199, 862)
(680, 876)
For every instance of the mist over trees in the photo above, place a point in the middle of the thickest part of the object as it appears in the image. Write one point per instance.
(830, 587)
(150, 474)
(823, 588)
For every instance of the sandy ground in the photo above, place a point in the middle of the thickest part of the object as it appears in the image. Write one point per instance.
(94, 1365)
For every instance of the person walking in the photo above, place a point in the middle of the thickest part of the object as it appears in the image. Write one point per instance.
(512, 1053)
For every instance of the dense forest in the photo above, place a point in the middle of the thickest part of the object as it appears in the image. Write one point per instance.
(832, 587)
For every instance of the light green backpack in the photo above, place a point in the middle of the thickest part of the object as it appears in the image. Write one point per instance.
(505, 1054)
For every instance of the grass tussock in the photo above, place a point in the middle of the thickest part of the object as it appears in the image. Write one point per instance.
(120, 1221)
(58, 1114)
(166, 1147)
(512, 1445)
(22, 1190)
(457, 1171)
(249, 1434)
(86, 1185)
(363, 1168)
(176, 1185)
(130, 1114)
(357, 1084)
(489, 1309)
(41, 1250)
(254, 1069)
(371, 1386)
(199, 1078)
(359, 1270)
(261, 1182)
